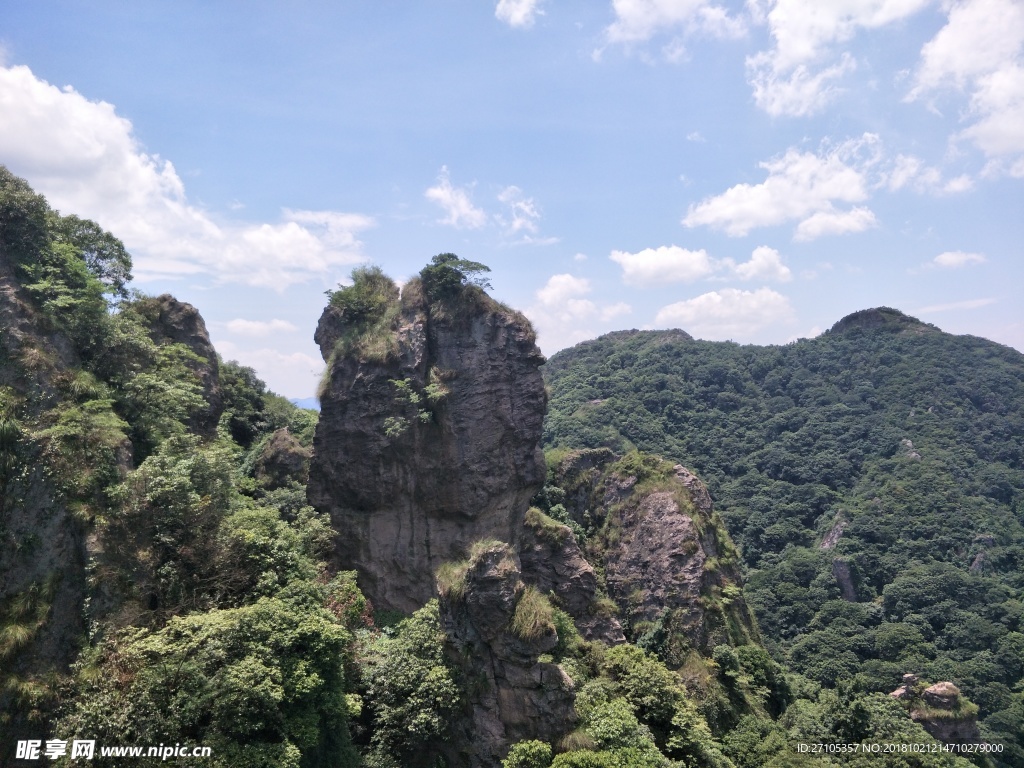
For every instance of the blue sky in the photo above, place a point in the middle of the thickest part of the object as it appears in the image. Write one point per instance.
(747, 171)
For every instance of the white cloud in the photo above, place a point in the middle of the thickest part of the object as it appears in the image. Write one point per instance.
(561, 289)
(86, 160)
(259, 327)
(563, 316)
(796, 77)
(835, 223)
(980, 37)
(797, 92)
(998, 102)
(518, 13)
(523, 211)
(956, 259)
(666, 264)
(728, 314)
(292, 373)
(640, 20)
(981, 50)
(963, 183)
(455, 202)
(765, 264)
(801, 186)
(617, 309)
(910, 171)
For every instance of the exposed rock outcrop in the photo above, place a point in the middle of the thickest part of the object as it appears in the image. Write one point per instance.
(843, 574)
(668, 565)
(175, 322)
(282, 460)
(410, 481)
(553, 563)
(940, 709)
(497, 628)
(42, 544)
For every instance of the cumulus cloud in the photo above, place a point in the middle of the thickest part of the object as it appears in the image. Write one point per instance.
(667, 264)
(564, 316)
(956, 259)
(801, 186)
(835, 223)
(907, 171)
(728, 314)
(637, 21)
(765, 264)
(797, 75)
(981, 50)
(259, 327)
(456, 203)
(86, 159)
(518, 13)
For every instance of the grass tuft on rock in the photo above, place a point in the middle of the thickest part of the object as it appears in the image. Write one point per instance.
(534, 616)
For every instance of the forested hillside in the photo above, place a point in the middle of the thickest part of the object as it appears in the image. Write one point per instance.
(873, 479)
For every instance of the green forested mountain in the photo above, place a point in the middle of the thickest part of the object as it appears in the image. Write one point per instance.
(873, 478)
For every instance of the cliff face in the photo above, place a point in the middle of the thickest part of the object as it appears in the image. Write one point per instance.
(668, 563)
(497, 629)
(42, 546)
(553, 563)
(430, 446)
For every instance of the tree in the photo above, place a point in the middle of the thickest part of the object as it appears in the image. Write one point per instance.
(104, 255)
(447, 274)
(261, 685)
(411, 689)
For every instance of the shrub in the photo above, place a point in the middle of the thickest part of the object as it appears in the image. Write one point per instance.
(528, 754)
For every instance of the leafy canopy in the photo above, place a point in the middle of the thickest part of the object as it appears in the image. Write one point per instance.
(447, 274)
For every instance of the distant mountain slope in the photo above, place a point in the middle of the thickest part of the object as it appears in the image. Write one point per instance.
(873, 478)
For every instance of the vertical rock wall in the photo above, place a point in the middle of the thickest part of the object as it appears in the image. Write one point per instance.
(462, 469)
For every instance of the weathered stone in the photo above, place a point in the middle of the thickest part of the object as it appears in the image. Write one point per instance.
(664, 565)
(404, 504)
(843, 575)
(283, 460)
(943, 695)
(553, 563)
(515, 696)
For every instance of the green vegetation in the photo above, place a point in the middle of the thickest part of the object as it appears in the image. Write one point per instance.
(534, 616)
(369, 309)
(411, 692)
(872, 477)
(446, 275)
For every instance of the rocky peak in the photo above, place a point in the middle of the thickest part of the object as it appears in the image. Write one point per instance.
(176, 322)
(668, 563)
(885, 318)
(428, 437)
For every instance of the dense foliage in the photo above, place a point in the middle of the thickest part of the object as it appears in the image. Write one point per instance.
(873, 478)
